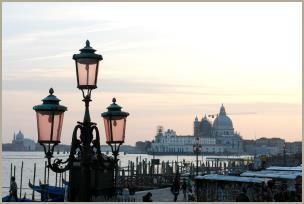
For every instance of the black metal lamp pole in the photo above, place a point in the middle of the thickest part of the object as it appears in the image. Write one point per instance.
(50, 119)
(115, 125)
(284, 153)
(115, 153)
(197, 149)
(196, 162)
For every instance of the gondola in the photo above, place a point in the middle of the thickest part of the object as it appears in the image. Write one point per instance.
(49, 193)
(7, 199)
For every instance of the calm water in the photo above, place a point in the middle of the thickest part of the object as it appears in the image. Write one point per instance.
(29, 158)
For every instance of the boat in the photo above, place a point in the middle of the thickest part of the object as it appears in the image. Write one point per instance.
(49, 193)
(7, 199)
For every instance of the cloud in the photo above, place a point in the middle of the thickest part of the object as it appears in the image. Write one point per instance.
(62, 77)
(33, 36)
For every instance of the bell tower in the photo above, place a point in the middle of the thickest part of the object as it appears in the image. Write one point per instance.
(196, 127)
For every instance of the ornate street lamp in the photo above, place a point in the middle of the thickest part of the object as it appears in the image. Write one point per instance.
(115, 127)
(197, 148)
(87, 63)
(85, 159)
(49, 122)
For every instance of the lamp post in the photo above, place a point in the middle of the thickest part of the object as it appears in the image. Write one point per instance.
(284, 153)
(197, 147)
(85, 159)
(115, 127)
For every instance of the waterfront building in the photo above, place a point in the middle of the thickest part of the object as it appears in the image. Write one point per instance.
(20, 143)
(294, 147)
(264, 146)
(216, 137)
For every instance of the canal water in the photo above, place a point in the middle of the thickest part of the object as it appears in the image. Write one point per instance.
(30, 158)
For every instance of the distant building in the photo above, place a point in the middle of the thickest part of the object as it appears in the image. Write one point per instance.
(20, 143)
(218, 137)
(294, 147)
(267, 146)
(142, 146)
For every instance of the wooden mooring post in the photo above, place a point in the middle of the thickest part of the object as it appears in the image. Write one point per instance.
(21, 174)
(33, 194)
(11, 172)
(48, 176)
(56, 179)
(45, 172)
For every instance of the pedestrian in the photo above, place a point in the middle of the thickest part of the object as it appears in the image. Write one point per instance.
(13, 190)
(242, 197)
(175, 188)
(190, 195)
(147, 197)
(184, 188)
(125, 194)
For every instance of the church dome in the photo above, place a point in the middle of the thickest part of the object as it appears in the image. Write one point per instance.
(222, 121)
(205, 126)
(19, 136)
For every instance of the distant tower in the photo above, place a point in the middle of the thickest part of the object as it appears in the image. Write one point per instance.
(160, 130)
(196, 127)
(159, 133)
(14, 136)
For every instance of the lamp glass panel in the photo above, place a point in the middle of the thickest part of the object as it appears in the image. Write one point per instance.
(107, 123)
(115, 128)
(87, 72)
(44, 125)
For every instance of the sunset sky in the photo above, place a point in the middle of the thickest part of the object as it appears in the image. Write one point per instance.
(164, 62)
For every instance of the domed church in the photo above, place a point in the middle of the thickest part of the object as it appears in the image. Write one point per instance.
(20, 143)
(221, 129)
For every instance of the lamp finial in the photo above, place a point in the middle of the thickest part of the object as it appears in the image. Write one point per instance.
(51, 91)
(87, 43)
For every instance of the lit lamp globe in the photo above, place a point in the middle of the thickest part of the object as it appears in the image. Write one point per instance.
(87, 67)
(115, 123)
(49, 119)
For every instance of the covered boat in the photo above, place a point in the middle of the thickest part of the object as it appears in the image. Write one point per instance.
(49, 193)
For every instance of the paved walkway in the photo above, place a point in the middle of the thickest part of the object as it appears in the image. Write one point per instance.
(159, 195)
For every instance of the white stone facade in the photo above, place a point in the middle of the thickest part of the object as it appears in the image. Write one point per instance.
(218, 137)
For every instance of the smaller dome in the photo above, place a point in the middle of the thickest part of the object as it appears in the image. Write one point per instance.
(19, 136)
(206, 126)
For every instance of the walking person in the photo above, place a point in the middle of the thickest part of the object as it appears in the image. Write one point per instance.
(13, 190)
(175, 188)
(184, 188)
(125, 194)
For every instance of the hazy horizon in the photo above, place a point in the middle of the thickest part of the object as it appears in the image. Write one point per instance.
(164, 62)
